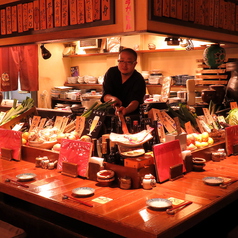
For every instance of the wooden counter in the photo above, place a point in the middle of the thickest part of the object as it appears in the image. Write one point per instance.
(126, 214)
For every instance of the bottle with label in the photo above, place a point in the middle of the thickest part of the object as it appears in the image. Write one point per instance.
(112, 156)
(128, 123)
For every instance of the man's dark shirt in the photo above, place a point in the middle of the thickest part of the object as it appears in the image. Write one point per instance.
(132, 89)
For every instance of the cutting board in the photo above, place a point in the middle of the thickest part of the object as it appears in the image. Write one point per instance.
(167, 155)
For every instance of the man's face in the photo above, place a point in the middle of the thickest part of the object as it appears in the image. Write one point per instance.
(126, 63)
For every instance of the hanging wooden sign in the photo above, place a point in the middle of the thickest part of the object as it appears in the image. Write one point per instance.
(57, 13)
(65, 13)
(25, 16)
(36, 15)
(9, 20)
(3, 22)
(14, 18)
(89, 10)
(96, 10)
(80, 11)
(73, 12)
(20, 18)
(30, 10)
(49, 14)
(128, 15)
(106, 10)
(42, 15)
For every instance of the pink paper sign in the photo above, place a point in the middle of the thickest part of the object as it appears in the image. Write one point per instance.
(77, 152)
(166, 156)
(11, 140)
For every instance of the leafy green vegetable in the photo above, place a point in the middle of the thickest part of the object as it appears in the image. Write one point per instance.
(232, 118)
(16, 111)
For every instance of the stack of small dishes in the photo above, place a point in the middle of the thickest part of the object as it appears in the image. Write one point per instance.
(105, 177)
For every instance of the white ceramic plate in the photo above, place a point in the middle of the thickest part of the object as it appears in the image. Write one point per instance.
(159, 203)
(26, 176)
(213, 180)
(83, 191)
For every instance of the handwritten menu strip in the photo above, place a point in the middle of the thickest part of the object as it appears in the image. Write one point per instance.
(35, 123)
(89, 10)
(216, 13)
(209, 118)
(25, 16)
(65, 13)
(173, 8)
(211, 12)
(73, 12)
(80, 124)
(179, 11)
(3, 22)
(58, 122)
(30, 11)
(42, 15)
(128, 15)
(49, 14)
(42, 123)
(191, 10)
(80, 11)
(188, 127)
(158, 7)
(185, 8)
(57, 11)
(14, 18)
(20, 18)
(9, 20)
(221, 13)
(232, 7)
(105, 10)
(96, 10)
(36, 15)
(166, 8)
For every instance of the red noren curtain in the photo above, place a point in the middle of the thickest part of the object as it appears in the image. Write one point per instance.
(19, 60)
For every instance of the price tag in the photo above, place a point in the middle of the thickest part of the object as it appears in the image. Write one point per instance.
(209, 117)
(167, 121)
(178, 126)
(42, 123)
(64, 123)
(188, 127)
(80, 124)
(200, 125)
(35, 122)
(58, 122)
(233, 105)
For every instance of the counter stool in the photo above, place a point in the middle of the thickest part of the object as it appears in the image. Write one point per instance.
(9, 231)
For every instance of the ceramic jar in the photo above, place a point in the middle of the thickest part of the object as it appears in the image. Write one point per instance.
(208, 95)
(198, 164)
(214, 55)
(220, 93)
(148, 181)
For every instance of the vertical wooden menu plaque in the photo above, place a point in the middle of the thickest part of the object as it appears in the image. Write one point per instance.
(96, 10)
(30, 10)
(3, 22)
(179, 9)
(36, 15)
(57, 13)
(25, 16)
(106, 11)
(216, 14)
(80, 11)
(14, 18)
(42, 15)
(166, 8)
(173, 8)
(89, 10)
(9, 20)
(73, 12)
(49, 14)
(20, 18)
(191, 10)
(158, 7)
(185, 9)
(65, 12)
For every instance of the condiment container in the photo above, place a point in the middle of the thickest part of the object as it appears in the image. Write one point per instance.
(125, 182)
(148, 181)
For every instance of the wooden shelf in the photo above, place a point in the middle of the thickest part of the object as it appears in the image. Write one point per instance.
(138, 51)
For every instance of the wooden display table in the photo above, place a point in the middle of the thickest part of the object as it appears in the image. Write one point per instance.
(126, 213)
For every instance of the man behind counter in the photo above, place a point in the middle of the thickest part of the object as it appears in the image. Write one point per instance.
(124, 84)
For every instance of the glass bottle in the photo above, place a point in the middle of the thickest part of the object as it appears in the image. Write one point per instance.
(95, 148)
(135, 127)
(112, 156)
(128, 123)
